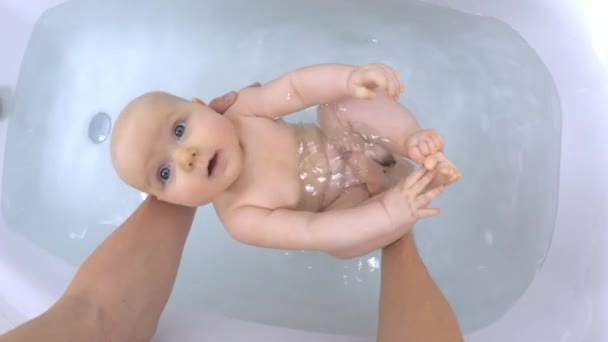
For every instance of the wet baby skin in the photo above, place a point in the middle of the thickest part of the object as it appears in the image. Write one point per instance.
(249, 163)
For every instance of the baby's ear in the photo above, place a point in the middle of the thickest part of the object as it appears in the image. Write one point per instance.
(199, 101)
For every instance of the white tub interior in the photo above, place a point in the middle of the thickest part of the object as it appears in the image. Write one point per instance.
(510, 97)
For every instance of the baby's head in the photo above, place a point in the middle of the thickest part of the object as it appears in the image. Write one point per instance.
(178, 151)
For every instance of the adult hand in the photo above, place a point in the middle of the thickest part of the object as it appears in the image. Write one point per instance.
(222, 103)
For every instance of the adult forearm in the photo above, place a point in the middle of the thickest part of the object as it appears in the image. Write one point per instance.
(70, 319)
(412, 308)
(121, 289)
(131, 275)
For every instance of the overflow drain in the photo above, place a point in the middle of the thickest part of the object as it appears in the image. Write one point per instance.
(99, 127)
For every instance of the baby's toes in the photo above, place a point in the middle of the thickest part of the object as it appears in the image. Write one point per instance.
(430, 147)
(446, 171)
(426, 147)
(434, 140)
(456, 175)
(450, 173)
(438, 143)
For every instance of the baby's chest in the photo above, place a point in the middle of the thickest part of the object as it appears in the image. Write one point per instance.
(271, 165)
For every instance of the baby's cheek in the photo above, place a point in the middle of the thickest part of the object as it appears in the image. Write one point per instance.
(189, 194)
(161, 196)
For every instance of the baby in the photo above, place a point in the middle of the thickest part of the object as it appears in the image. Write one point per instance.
(335, 187)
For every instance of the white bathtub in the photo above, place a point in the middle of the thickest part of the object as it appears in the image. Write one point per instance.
(565, 300)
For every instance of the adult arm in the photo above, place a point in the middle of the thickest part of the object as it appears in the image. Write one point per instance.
(412, 308)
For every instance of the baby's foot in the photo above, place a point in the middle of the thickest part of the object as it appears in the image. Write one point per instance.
(447, 172)
(422, 144)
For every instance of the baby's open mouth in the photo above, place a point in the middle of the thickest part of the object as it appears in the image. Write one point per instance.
(212, 164)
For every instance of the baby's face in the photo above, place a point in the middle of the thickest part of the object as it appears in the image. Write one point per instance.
(178, 151)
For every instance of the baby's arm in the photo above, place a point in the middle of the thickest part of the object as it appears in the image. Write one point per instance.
(337, 230)
(314, 85)
(289, 229)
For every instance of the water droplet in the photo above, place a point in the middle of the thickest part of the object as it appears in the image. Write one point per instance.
(78, 235)
(373, 263)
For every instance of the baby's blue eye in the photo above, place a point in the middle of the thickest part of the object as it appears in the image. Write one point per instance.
(179, 130)
(164, 174)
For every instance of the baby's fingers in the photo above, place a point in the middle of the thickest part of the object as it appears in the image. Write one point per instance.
(413, 178)
(364, 93)
(423, 200)
(414, 153)
(425, 147)
(422, 183)
(394, 86)
(426, 213)
(401, 86)
(376, 79)
(398, 80)
(438, 139)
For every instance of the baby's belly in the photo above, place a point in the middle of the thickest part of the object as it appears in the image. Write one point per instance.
(324, 169)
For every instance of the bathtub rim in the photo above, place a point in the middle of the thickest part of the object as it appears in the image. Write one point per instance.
(48, 291)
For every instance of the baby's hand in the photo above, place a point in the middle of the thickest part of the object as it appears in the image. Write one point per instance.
(422, 144)
(364, 80)
(222, 103)
(408, 201)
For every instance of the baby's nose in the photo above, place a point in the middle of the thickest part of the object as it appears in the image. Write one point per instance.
(186, 158)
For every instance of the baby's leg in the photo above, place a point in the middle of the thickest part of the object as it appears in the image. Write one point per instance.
(386, 122)
(382, 120)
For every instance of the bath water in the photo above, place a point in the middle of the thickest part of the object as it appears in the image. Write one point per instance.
(472, 78)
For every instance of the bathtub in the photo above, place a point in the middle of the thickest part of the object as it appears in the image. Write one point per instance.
(519, 249)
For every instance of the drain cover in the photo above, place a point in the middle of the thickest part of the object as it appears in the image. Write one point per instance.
(99, 127)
